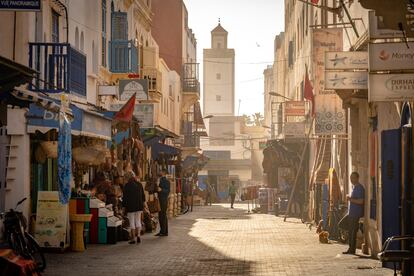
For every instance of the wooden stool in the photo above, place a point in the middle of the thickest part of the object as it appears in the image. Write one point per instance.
(78, 222)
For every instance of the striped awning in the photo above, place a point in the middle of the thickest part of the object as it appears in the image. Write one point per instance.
(34, 97)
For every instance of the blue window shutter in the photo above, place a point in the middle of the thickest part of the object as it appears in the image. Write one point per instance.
(119, 26)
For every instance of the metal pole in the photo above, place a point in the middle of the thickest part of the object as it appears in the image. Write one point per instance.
(299, 170)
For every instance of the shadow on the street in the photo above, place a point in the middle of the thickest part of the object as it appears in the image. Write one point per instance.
(181, 253)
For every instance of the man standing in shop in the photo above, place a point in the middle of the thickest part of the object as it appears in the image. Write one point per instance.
(355, 212)
(163, 192)
(232, 193)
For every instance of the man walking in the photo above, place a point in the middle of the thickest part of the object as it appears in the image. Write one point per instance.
(133, 200)
(355, 212)
(232, 193)
(163, 192)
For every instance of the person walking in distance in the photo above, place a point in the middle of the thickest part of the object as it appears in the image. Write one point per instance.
(355, 212)
(232, 193)
(163, 192)
(134, 202)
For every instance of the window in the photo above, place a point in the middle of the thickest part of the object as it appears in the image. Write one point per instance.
(82, 42)
(77, 38)
(218, 98)
(171, 92)
(218, 76)
(55, 27)
(103, 54)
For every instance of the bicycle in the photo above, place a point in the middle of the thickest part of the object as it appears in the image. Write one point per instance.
(20, 241)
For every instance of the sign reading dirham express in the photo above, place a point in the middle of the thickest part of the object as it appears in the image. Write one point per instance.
(20, 5)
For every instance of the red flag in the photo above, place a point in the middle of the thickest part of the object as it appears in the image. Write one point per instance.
(308, 92)
(125, 113)
(315, 2)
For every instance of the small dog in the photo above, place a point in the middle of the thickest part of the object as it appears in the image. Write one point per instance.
(323, 237)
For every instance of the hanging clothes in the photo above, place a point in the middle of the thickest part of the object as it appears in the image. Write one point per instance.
(64, 159)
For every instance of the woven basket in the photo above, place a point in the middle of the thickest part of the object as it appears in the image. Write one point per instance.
(50, 148)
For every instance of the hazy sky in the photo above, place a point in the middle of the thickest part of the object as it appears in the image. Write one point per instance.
(252, 26)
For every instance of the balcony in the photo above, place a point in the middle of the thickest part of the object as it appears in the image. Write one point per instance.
(190, 82)
(60, 68)
(154, 77)
(192, 141)
(123, 57)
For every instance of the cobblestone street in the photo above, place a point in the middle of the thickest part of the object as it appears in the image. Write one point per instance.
(219, 241)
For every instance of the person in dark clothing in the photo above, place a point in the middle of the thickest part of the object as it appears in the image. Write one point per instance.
(163, 193)
(134, 202)
(232, 193)
(355, 212)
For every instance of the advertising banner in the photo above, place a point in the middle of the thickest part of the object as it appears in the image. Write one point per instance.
(346, 60)
(294, 130)
(391, 88)
(295, 108)
(330, 116)
(51, 220)
(391, 56)
(346, 80)
(377, 30)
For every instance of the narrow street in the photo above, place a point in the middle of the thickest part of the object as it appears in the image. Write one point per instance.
(220, 241)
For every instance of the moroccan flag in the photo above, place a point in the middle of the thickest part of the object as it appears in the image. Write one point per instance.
(315, 2)
(124, 115)
(308, 92)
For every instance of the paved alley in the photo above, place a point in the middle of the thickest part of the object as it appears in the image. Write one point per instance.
(220, 241)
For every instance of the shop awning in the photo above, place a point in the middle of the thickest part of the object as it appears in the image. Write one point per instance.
(195, 161)
(44, 101)
(13, 74)
(85, 122)
(158, 149)
(279, 155)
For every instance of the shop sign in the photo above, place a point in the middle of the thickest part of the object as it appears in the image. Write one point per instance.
(391, 87)
(97, 126)
(26, 5)
(330, 116)
(143, 112)
(346, 80)
(295, 108)
(294, 129)
(51, 220)
(129, 87)
(108, 90)
(346, 60)
(391, 56)
(377, 29)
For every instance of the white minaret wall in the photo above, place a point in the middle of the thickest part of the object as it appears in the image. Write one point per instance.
(219, 87)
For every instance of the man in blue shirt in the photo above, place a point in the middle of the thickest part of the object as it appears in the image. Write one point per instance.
(355, 211)
(163, 192)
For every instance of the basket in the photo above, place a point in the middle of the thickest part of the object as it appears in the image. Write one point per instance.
(50, 148)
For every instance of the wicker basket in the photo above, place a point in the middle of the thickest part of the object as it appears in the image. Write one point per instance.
(50, 148)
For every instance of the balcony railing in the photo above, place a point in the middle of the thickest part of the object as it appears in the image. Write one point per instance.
(192, 141)
(154, 78)
(123, 56)
(190, 81)
(60, 68)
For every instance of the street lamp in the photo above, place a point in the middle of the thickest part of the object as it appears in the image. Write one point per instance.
(280, 95)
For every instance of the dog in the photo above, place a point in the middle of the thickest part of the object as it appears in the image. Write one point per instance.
(323, 237)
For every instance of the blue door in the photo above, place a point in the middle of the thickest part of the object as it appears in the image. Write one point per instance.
(391, 184)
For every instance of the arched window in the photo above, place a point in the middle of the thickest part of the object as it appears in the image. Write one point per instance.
(82, 42)
(94, 58)
(77, 38)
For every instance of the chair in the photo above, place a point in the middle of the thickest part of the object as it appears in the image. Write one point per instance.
(395, 256)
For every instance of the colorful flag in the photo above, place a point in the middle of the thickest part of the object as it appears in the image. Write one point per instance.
(124, 115)
(315, 2)
(308, 93)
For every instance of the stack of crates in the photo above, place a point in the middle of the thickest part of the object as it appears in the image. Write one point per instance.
(104, 227)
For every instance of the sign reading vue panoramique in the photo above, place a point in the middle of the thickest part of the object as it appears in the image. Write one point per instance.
(27, 5)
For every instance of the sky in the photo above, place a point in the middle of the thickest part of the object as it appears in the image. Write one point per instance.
(252, 27)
